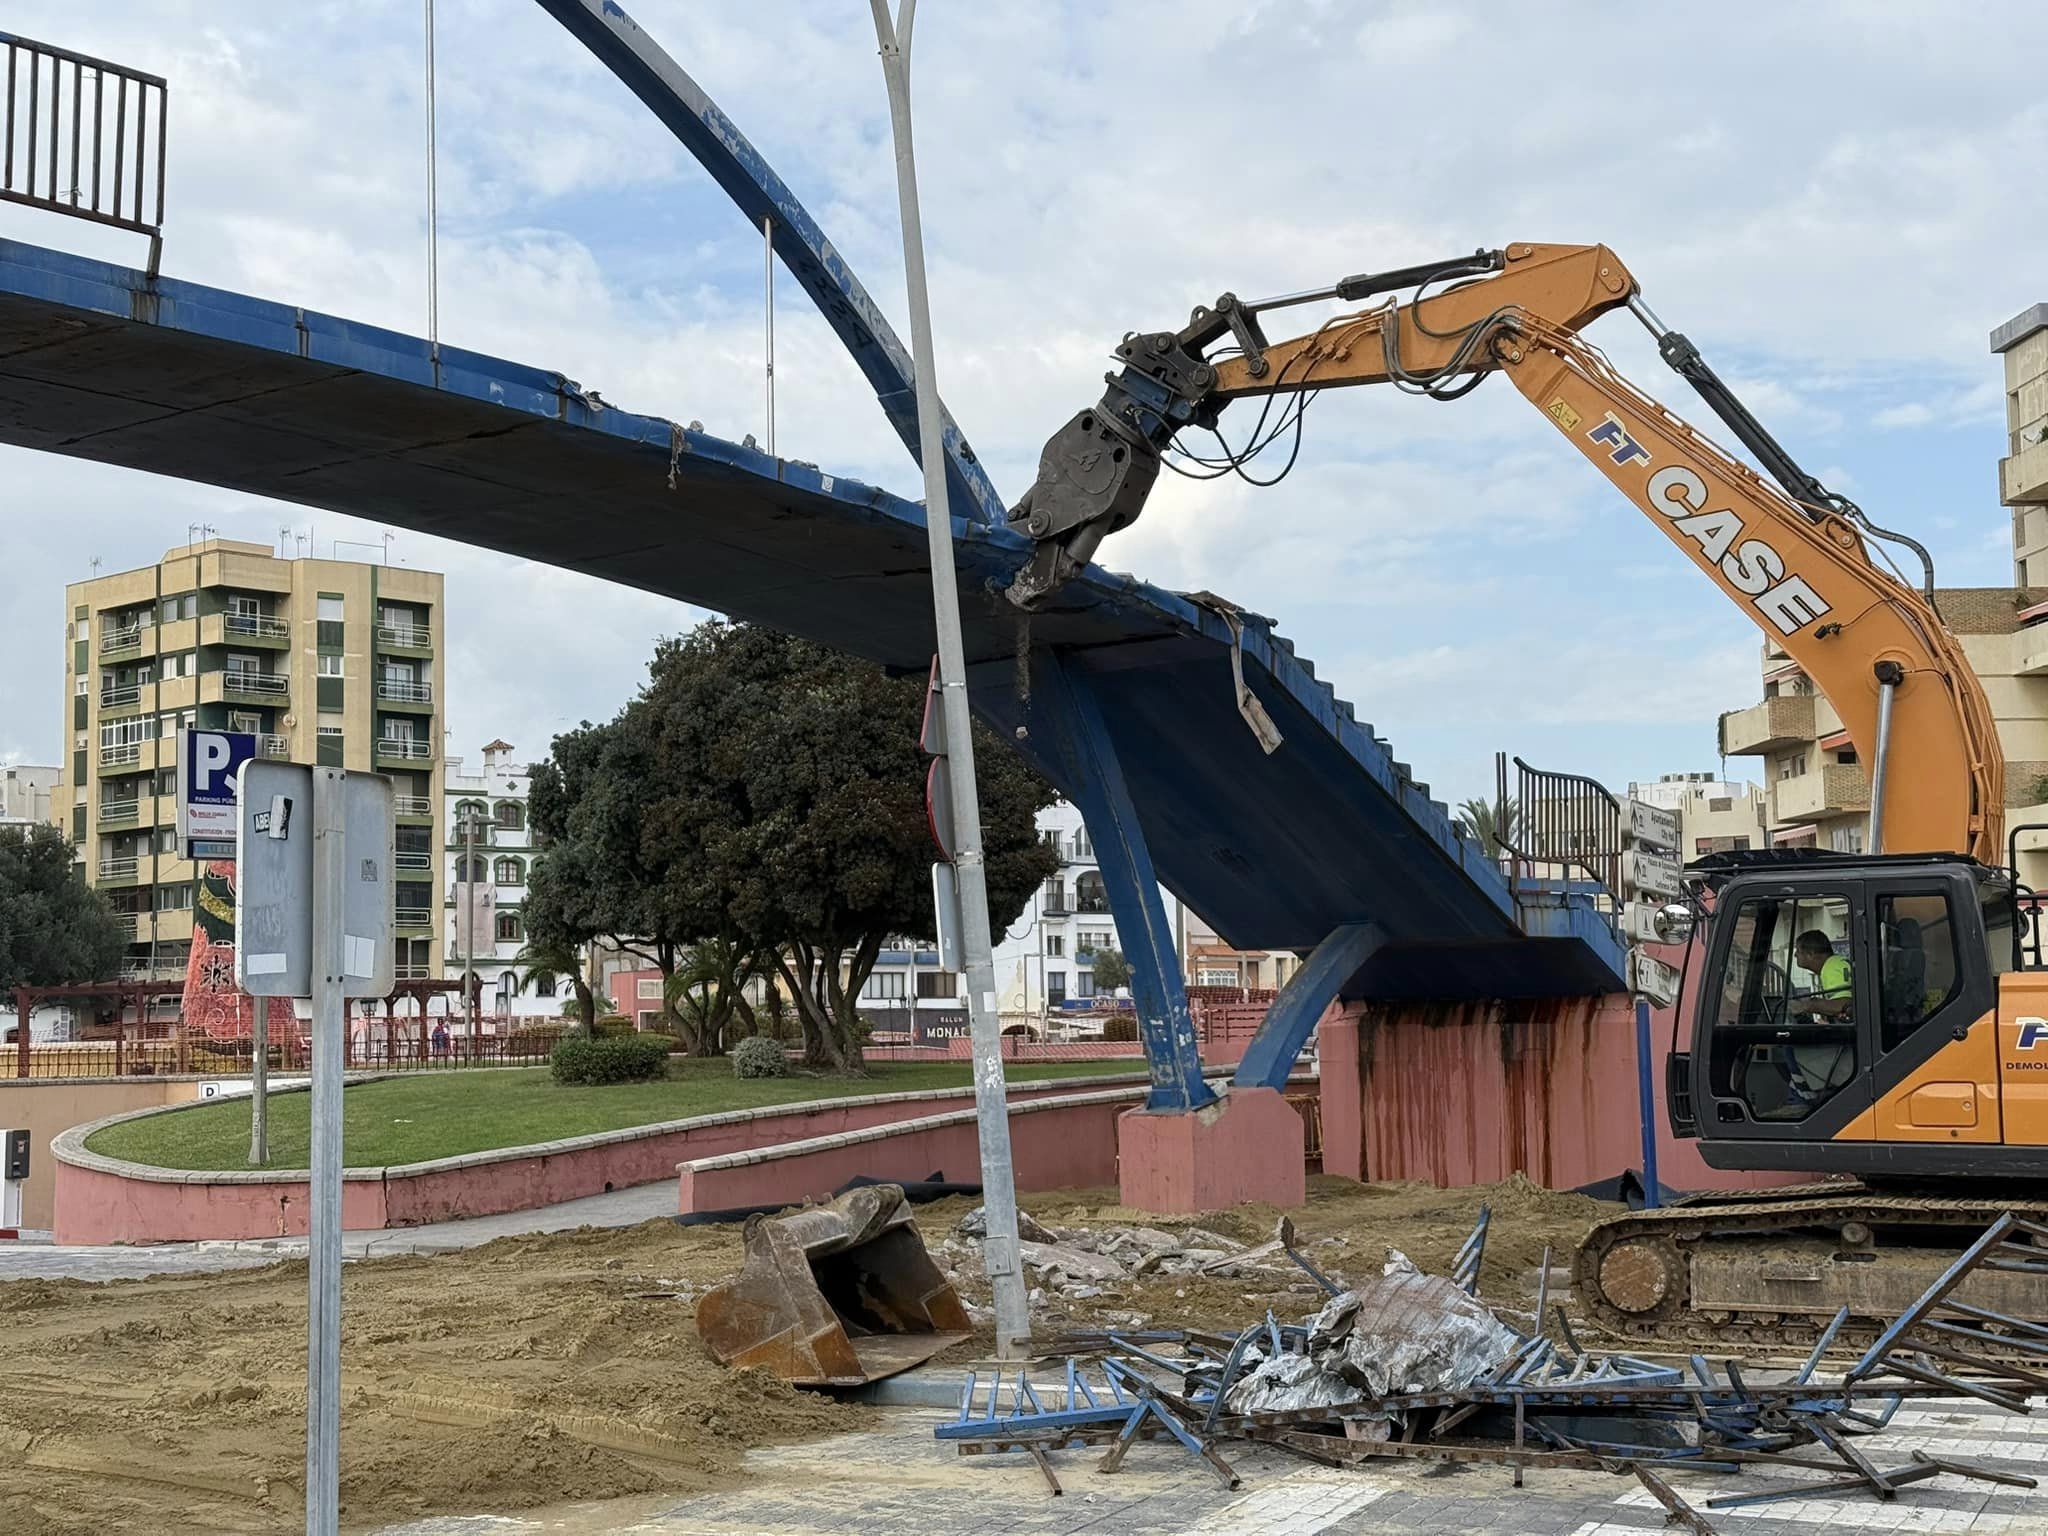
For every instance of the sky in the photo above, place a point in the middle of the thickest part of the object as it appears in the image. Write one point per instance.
(1837, 202)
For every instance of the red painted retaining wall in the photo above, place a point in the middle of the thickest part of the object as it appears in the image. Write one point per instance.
(1066, 1141)
(105, 1200)
(1468, 1093)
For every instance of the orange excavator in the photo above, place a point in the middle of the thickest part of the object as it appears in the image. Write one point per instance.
(1880, 1018)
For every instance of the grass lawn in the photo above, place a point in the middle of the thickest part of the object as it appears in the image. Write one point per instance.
(426, 1115)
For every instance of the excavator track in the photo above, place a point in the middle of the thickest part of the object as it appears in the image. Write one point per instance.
(1770, 1270)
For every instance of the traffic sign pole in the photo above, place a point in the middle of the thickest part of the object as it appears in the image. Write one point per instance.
(323, 1333)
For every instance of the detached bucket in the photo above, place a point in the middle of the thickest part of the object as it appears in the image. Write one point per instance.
(834, 1295)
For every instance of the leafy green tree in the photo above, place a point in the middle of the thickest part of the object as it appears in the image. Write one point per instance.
(549, 963)
(1111, 970)
(55, 930)
(784, 789)
(1492, 824)
(708, 992)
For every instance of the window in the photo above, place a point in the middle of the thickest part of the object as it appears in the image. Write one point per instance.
(185, 606)
(509, 872)
(1054, 944)
(1051, 838)
(238, 720)
(167, 781)
(330, 666)
(1792, 767)
(176, 897)
(328, 610)
(509, 815)
(1055, 987)
(1919, 967)
(937, 984)
(1784, 1034)
(84, 686)
(245, 607)
(1094, 938)
(1703, 845)
(1055, 896)
(167, 840)
(1083, 849)
(647, 986)
(884, 986)
(1209, 976)
(125, 733)
(1846, 755)
(509, 929)
(1089, 895)
(543, 983)
(1846, 837)
(1084, 983)
(471, 871)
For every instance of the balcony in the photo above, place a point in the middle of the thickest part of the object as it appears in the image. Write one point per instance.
(412, 858)
(402, 693)
(418, 638)
(1833, 789)
(1091, 905)
(2023, 478)
(128, 754)
(412, 971)
(412, 807)
(276, 748)
(260, 687)
(1775, 723)
(255, 626)
(1055, 904)
(121, 642)
(123, 700)
(120, 871)
(413, 917)
(120, 813)
(126, 922)
(403, 750)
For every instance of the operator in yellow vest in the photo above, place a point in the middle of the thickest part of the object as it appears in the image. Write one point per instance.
(1817, 1068)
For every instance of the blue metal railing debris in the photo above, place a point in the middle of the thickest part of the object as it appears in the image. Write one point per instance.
(70, 145)
(682, 105)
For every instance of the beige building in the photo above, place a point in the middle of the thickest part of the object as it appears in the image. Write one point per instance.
(1714, 815)
(324, 661)
(2023, 474)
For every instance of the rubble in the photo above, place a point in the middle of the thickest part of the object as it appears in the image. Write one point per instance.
(975, 1225)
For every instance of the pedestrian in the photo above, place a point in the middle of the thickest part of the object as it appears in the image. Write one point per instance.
(440, 1038)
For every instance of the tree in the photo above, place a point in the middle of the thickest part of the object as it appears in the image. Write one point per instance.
(55, 930)
(783, 790)
(1111, 970)
(708, 991)
(551, 961)
(1491, 823)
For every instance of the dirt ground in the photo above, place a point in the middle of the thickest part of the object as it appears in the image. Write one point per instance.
(541, 1369)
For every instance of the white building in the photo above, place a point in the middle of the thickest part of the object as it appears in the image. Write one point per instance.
(25, 794)
(1044, 961)
(489, 851)
(1714, 815)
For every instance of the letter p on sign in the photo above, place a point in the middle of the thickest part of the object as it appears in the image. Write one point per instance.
(209, 757)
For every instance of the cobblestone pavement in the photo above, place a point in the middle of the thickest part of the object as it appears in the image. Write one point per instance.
(620, 1208)
(900, 1482)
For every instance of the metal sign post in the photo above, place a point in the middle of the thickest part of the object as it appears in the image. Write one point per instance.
(1653, 873)
(313, 919)
(998, 1181)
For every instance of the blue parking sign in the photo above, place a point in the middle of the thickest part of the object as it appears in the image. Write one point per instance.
(207, 764)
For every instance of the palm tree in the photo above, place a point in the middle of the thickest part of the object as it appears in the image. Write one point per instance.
(1490, 823)
(707, 991)
(547, 966)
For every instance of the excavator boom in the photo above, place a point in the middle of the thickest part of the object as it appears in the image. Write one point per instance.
(1797, 560)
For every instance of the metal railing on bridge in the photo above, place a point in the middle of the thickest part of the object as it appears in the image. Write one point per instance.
(84, 138)
(1562, 826)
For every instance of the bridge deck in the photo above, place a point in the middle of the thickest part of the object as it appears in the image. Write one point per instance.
(98, 362)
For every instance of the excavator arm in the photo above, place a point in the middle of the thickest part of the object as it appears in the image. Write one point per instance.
(1797, 560)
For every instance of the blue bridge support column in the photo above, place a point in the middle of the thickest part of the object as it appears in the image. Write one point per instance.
(1064, 705)
(1277, 1045)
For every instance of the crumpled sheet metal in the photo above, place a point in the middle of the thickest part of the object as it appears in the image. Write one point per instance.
(1404, 1332)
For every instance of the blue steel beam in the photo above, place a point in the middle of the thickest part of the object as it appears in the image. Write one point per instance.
(694, 118)
(1270, 1057)
(1096, 781)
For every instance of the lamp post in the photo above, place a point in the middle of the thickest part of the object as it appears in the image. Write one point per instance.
(469, 981)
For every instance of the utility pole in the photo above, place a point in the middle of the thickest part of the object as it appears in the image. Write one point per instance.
(998, 1181)
(469, 987)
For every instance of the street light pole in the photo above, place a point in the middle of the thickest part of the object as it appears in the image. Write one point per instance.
(998, 1182)
(469, 919)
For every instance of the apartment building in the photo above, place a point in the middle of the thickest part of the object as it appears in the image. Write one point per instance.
(489, 852)
(328, 662)
(1715, 815)
(25, 794)
(2022, 344)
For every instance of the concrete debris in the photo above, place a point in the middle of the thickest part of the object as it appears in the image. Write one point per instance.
(975, 1225)
(1075, 1262)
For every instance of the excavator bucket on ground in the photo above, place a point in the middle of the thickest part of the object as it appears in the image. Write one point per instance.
(834, 1295)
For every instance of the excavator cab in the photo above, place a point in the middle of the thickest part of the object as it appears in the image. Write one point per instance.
(1846, 1013)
